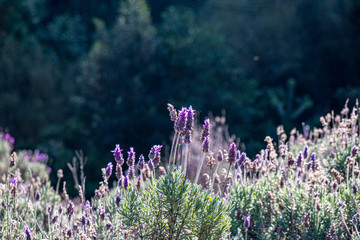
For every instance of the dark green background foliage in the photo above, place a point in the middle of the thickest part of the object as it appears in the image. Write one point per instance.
(92, 74)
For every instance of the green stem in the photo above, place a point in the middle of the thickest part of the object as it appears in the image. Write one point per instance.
(202, 156)
(172, 149)
(184, 167)
(175, 149)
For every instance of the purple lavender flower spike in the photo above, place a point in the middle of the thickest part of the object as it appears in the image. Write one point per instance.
(117, 201)
(70, 209)
(299, 159)
(151, 165)
(313, 157)
(109, 170)
(126, 182)
(87, 206)
(152, 152)
(190, 119)
(242, 158)
(206, 145)
(180, 122)
(219, 156)
(354, 151)
(305, 152)
(187, 137)
(131, 173)
(138, 184)
(157, 158)
(206, 131)
(131, 157)
(14, 181)
(232, 153)
(118, 155)
(37, 196)
(141, 163)
(247, 222)
(355, 189)
(238, 154)
(27, 232)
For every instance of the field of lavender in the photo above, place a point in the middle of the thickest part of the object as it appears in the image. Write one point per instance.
(303, 185)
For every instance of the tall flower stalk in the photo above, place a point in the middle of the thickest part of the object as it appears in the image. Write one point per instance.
(205, 147)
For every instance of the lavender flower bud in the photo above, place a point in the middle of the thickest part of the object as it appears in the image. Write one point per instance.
(37, 196)
(354, 151)
(232, 153)
(291, 160)
(118, 155)
(83, 220)
(14, 181)
(152, 152)
(180, 122)
(242, 158)
(332, 154)
(70, 209)
(206, 131)
(101, 212)
(131, 173)
(126, 182)
(60, 210)
(109, 170)
(138, 184)
(172, 112)
(238, 154)
(108, 226)
(87, 207)
(355, 189)
(27, 232)
(354, 220)
(118, 172)
(187, 137)
(13, 159)
(151, 165)
(117, 201)
(247, 222)
(60, 173)
(309, 165)
(140, 164)
(257, 159)
(68, 233)
(54, 219)
(155, 155)
(313, 156)
(341, 204)
(190, 119)
(206, 145)
(219, 156)
(306, 219)
(131, 157)
(299, 159)
(305, 152)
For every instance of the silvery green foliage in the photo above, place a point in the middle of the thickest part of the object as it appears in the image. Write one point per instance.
(173, 208)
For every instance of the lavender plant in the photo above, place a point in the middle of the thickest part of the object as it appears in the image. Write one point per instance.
(305, 186)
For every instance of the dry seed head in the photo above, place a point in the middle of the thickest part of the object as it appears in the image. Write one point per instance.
(60, 173)
(162, 171)
(13, 159)
(172, 112)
